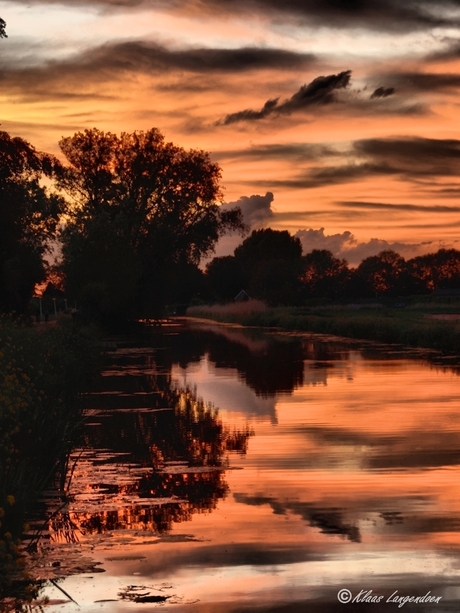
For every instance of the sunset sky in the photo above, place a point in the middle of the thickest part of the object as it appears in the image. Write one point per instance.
(333, 119)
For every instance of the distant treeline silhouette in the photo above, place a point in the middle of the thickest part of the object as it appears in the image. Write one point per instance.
(133, 216)
(270, 266)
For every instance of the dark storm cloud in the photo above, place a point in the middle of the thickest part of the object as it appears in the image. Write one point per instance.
(320, 91)
(112, 60)
(378, 15)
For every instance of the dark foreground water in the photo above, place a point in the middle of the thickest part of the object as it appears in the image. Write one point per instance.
(223, 470)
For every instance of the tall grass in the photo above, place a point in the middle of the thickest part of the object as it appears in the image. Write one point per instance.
(233, 311)
(406, 327)
(41, 377)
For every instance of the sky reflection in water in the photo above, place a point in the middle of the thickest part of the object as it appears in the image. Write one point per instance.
(325, 468)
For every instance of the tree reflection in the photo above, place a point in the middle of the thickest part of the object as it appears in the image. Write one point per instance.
(154, 454)
(188, 493)
(268, 366)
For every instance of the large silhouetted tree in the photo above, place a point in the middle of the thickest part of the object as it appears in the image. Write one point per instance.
(2, 29)
(28, 219)
(143, 211)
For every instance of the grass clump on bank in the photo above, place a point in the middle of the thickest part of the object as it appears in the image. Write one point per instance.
(407, 326)
(41, 376)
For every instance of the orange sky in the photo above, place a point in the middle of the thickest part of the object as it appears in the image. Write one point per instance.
(356, 148)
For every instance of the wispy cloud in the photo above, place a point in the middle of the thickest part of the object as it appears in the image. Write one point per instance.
(72, 76)
(404, 158)
(147, 56)
(320, 91)
(292, 152)
(420, 208)
(383, 92)
(412, 156)
(424, 82)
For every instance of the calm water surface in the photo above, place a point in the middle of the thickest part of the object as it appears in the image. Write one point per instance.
(307, 467)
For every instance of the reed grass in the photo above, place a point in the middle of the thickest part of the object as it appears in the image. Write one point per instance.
(406, 326)
(41, 378)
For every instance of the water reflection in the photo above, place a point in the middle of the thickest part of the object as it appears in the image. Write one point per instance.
(349, 473)
(154, 453)
(265, 365)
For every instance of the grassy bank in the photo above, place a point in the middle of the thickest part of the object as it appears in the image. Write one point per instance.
(42, 372)
(412, 325)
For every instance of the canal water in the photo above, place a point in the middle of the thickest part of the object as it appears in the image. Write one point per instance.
(224, 470)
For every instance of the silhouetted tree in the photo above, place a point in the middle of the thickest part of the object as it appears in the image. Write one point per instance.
(29, 215)
(3, 33)
(225, 278)
(265, 244)
(272, 265)
(381, 274)
(151, 204)
(324, 276)
(432, 271)
(187, 282)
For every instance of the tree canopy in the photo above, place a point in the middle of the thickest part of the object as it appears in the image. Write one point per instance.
(381, 274)
(3, 33)
(267, 265)
(324, 276)
(29, 215)
(440, 270)
(142, 209)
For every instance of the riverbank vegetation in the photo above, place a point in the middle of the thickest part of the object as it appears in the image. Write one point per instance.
(427, 323)
(42, 374)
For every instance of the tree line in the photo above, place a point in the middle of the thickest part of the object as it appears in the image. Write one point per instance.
(270, 266)
(134, 216)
